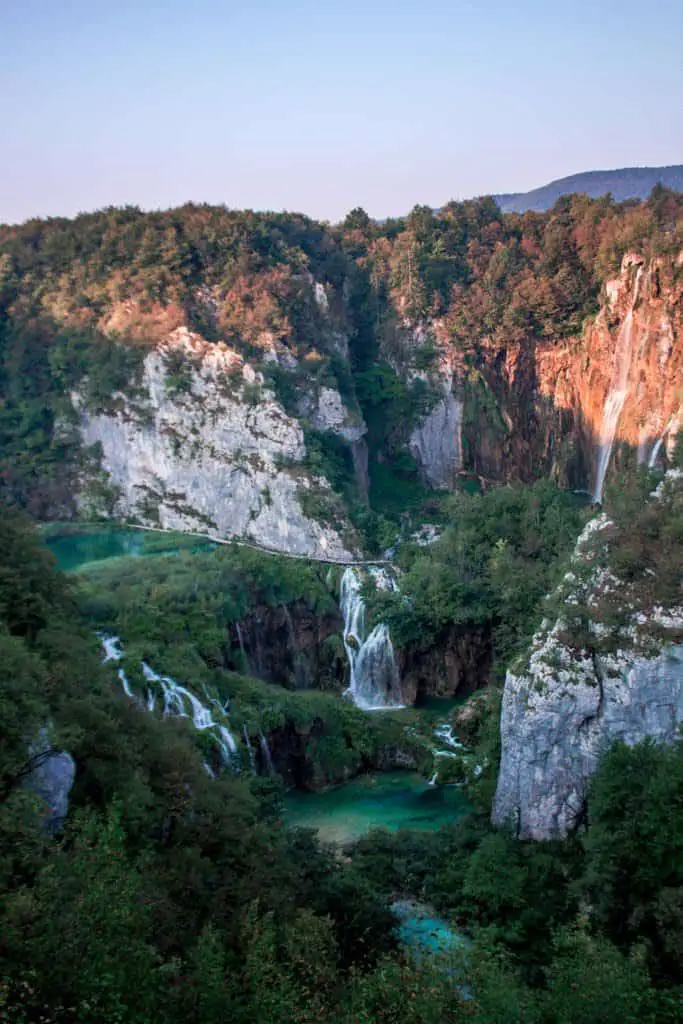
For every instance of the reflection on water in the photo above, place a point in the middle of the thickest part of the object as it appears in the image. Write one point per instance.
(389, 800)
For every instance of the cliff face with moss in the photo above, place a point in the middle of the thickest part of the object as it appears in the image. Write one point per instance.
(543, 407)
(263, 376)
(605, 666)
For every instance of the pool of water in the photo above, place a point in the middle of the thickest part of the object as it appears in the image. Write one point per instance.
(439, 706)
(422, 931)
(76, 550)
(389, 800)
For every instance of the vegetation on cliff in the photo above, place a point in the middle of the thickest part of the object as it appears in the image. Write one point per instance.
(498, 556)
(169, 895)
(173, 896)
(81, 300)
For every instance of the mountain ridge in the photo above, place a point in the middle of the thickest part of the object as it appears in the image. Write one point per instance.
(622, 182)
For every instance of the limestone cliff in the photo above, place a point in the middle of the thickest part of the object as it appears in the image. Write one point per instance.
(500, 347)
(218, 454)
(552, 407)
(590, 679)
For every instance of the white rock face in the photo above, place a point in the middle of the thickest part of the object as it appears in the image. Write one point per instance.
(568, 706)
(552, 739)
(436, 445)
(218, 458)
(331, 414)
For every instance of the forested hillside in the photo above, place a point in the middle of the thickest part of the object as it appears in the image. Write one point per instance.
(171, 895)
(450, 395)
(623, 183)
(360, 332)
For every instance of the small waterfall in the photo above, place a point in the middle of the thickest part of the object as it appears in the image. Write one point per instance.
(250, 750)
(112, 648)
(265, 750)
(177, 699)
(374, 682)
(245, 656)
(669, 430)
(616, 395)
(125, 684)
(113, 652)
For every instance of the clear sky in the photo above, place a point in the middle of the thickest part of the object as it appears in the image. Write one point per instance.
(321, 105)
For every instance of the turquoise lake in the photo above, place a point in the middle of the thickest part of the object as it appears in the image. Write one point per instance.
(390, 800)
(77, 550)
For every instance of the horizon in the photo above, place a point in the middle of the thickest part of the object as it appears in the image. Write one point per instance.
(304, 213)
(322, 110)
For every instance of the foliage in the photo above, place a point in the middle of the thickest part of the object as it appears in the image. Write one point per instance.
(489, 570)
(171, 896)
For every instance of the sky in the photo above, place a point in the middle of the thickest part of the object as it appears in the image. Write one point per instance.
(324, 106)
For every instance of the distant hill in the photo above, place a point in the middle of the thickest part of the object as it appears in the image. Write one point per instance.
(624, 183)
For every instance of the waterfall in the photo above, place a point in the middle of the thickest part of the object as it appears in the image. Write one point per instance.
(245, 656)
(616, 396)
(265, 750)
(125, 684)
(112, 648)
(250, 750)
(670, 431)
(374, 682)
(177, 697)
(652, 461)
(179, 702)
(113, 652)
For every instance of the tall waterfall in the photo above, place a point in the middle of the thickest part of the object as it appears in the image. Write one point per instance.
(616, 395)
(178, 701)
(652, 461)
(374, 682)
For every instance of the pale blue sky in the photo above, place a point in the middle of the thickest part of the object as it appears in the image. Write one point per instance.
(322, 106)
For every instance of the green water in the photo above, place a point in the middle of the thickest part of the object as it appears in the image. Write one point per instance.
(390, 800)
(439, 706)
(422, 931)
(76, 550)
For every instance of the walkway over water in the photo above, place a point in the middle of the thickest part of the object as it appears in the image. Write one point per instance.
(239, 542)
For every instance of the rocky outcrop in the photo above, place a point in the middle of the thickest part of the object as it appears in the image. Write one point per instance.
(459, 662)
(308, 757)
(575, 697)
(553, 735)
(51, 778)
(211, 450)
(436, 443)
(291, 645)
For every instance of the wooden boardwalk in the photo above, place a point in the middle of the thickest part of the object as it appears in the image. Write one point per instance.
(240, 542)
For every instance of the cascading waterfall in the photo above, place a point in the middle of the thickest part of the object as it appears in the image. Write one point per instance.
(374, 682)
(113, 652)
(177, 699)
(265, 750)
(616, 396)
